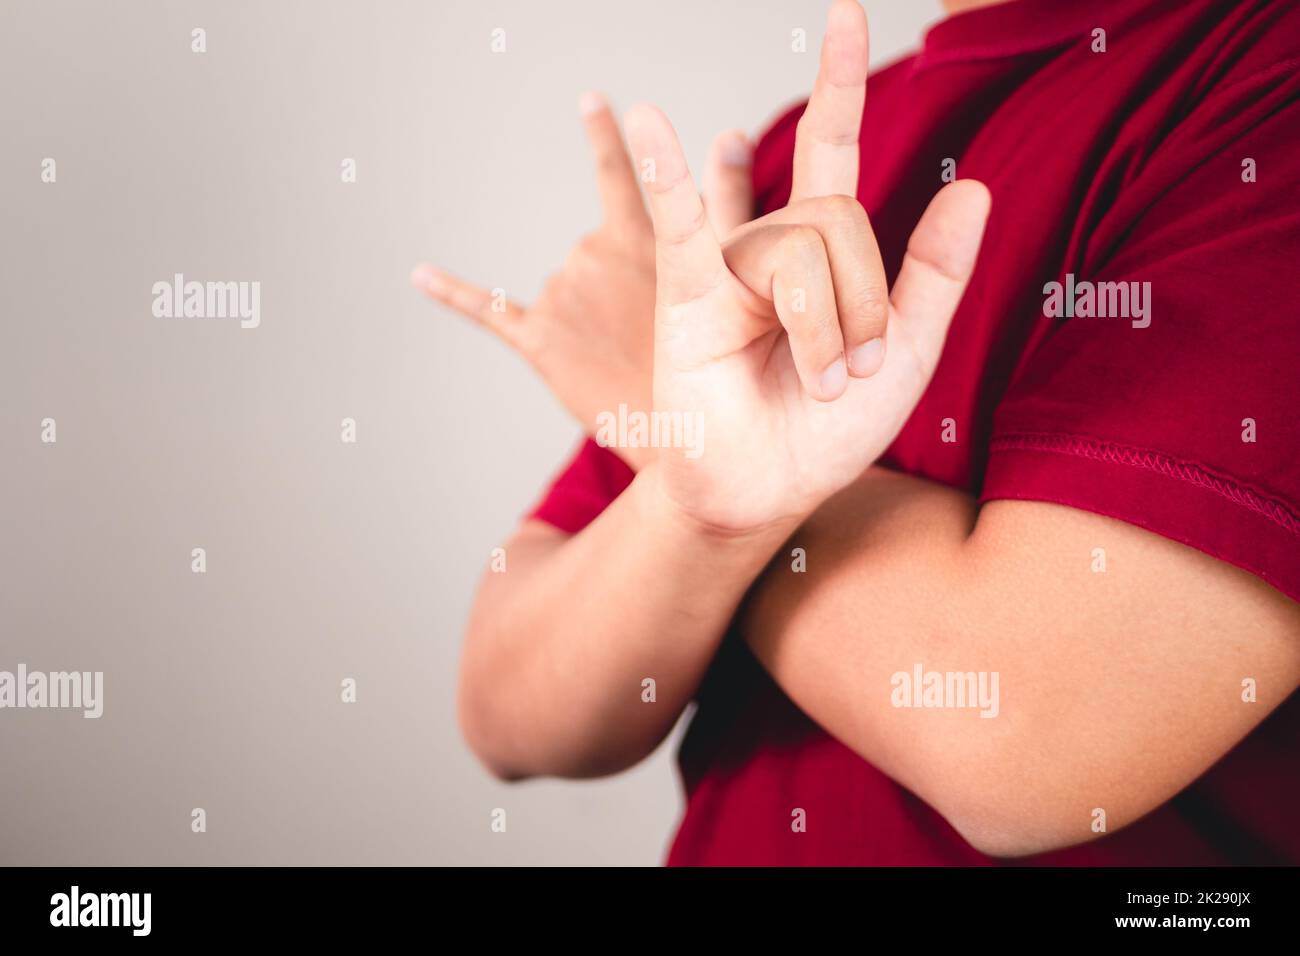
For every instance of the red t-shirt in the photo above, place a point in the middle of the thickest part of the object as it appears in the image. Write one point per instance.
(1171, 158)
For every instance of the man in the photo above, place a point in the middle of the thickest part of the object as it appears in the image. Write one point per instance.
(989, 550)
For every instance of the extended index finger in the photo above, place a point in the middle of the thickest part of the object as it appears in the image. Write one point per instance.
(615, 178)
(826, 141)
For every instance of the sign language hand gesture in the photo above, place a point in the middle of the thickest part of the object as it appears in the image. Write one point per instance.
(802, 385)
(589, 333)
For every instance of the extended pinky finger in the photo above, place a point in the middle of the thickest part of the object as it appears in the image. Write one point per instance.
(938, 263)
(488, 308)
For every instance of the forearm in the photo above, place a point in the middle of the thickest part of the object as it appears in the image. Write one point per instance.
(561, 645)
(1115, 688)
(876, 597)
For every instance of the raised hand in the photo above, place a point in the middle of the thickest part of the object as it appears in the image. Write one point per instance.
(801, 386)
(590, 332)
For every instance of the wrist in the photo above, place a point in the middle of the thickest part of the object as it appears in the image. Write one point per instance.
(636, 458)
(660, 509)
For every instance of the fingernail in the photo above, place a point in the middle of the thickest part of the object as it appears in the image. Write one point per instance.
(833, 380)
(590, 102)
(427, 278)
(733, 149)
(867, 358)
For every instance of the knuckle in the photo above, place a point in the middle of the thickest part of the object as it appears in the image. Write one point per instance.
(845, 209)
(572, 262)
(554, 282)
(582, 256)
(680, 233)
(610, 163)
(803, 244)
(555, 289)
(869, 309)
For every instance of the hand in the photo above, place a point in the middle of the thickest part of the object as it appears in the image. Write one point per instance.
(590, 332)
(788, 417)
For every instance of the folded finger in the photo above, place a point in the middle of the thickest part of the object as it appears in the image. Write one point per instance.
(789, 266)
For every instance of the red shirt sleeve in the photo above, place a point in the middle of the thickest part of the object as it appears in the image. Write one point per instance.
(593, 478)
(1189, 427)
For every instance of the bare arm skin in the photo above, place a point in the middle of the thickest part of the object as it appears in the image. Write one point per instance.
(802, 365)
(559, 644)
(1117, 689)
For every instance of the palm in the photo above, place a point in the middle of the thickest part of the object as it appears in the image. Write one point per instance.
(791, 449)
(590, 331)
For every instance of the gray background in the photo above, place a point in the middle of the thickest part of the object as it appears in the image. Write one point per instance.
(325, 560)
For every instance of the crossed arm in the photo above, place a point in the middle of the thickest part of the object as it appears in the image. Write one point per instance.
(1117, 689)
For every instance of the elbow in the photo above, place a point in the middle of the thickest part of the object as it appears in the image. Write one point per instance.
(1011, 839)
(478, 728)
(1008, 812)
(514, 745)
(497, 768)
(486, 747)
